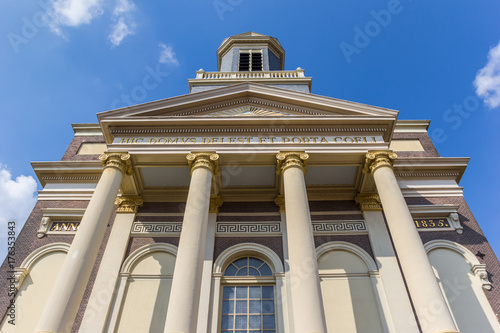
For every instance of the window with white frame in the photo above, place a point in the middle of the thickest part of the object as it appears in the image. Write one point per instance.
(248, 297)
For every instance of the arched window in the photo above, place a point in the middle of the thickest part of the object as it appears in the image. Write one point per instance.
(248, 297)
(248, 266)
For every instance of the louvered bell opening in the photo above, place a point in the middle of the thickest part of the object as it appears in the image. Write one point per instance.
(256, 61)
(244, 65)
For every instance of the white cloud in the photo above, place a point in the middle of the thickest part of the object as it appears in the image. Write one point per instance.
(17, 198)
(120, 30)
(123, 6)
(487, 80)
(167, 55)
(124, 23)
(72, 13)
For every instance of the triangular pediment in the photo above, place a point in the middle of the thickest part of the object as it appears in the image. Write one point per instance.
(248, 100)
(248, 111)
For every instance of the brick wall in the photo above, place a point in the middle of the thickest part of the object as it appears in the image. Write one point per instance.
(472, 238)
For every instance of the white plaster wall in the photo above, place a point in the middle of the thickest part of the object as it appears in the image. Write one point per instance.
(349, 299)
(340, 261)
(145, 303)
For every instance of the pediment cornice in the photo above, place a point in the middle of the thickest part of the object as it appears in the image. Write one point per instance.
(225, 98)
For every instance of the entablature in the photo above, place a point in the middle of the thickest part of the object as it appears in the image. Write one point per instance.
(67, 171)
(251, 175)
(248, 131)
(431, 167)
(90, 129)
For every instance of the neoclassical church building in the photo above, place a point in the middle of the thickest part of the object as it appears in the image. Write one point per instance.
(251, 205)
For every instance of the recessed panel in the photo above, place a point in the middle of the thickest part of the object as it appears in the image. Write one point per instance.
(165, 176)
(92, 148)
(331, 175)
(406, 145)
(248, 176)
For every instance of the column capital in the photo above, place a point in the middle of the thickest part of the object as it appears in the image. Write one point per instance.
(128, 204)
(209, 161)
(215, 203)
(368, 202)
(120, 161)
(377, 159)
(280, 202)
(291, 159)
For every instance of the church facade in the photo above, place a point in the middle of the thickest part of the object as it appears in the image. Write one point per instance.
(251, 205)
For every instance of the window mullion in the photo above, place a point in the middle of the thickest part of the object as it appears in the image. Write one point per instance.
(252, 296)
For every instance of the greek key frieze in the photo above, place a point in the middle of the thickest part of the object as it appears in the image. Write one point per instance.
(248, 227)
(142, 228)
(155, 227)
(339, 226)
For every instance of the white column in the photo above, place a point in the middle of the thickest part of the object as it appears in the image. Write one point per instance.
(98, 307)
(206, 283)
(64, 300)
(184, 300)
(398, 314)
(429, 302)
(308, 314)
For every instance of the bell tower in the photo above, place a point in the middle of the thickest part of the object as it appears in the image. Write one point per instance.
(250, 51)
(251, 57)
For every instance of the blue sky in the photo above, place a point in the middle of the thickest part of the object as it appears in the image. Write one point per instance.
(63, 61)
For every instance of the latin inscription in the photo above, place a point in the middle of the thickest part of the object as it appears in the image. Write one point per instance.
(431, 223)
(242, 140)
